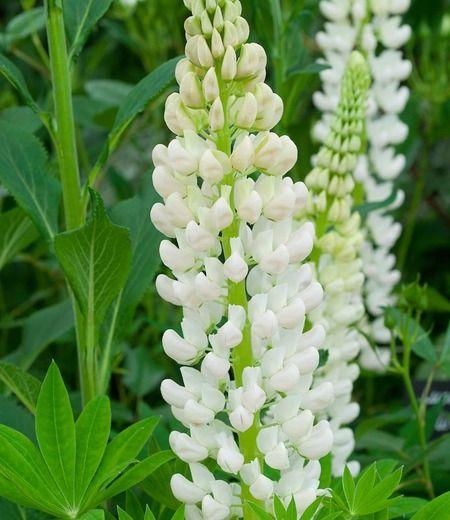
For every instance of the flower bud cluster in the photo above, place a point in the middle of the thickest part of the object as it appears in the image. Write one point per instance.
(236, 255)
(338, 262)
(376, 28)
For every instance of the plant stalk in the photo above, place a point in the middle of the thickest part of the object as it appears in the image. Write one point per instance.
(420, 413)
(66, 150)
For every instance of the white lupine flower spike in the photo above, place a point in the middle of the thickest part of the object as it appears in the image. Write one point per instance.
(374, 28)
(236, 252)
(338, 264)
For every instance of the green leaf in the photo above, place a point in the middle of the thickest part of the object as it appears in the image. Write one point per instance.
(107, 91)
(325, 473)
(92, 434)
(96, 260)
(157, 486)
(17, 232)
(22, 117)
(9, 511)
(80, 17)
(25, 24)
(310, 68)
(133, 505)
(147, 90)
(136, 474)
(142, 374)
(410, 331)
(39, 330)
(16, 416)
(55, 431)
(23, 165)
(179, 514)
(24, 385)
(122, 451)
(24, 477)
(437, 302)
(16, 79)
(310, 512)
(259, 511)
(348, 485)
(98, 514)
(278, 505)
(437, 509)
(368, 207)
(123, 515)
(291, 513)
(401, 506)
(376, 498)
(364, 485)
(150, 516)
(145, 240)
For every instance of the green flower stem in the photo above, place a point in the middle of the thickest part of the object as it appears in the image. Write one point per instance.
(242, 358)
(237, 295)
(420, 414)
(66, 150)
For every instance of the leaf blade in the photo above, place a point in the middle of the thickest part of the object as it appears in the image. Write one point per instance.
(23, 385)
(55, 431)
(22, 171)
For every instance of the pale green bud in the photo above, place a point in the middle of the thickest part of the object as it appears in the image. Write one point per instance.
(217, 47)
(217, 116)
(210, 85)
(229, 64)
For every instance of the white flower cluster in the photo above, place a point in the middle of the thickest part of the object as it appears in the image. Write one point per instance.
(337, 256)
(375, 27)
(248, 357)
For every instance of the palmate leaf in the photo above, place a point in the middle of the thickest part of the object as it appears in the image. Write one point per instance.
(23, 172)
(55, 431)
(72, 473)
(96, 259)
(16, 233)
(80, 17)
(24, 385)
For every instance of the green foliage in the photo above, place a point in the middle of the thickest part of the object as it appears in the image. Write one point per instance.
(23, 171)
(24, 385)
(80, 17)
(96, 260)
(23, 25)
(17, 232)
(15, 77)
(74, 470)
(370, 494)
(437, 509)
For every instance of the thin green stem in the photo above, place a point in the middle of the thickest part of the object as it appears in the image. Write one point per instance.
(65, 123)
(64, 137)
(105, 369)
(420, 413)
